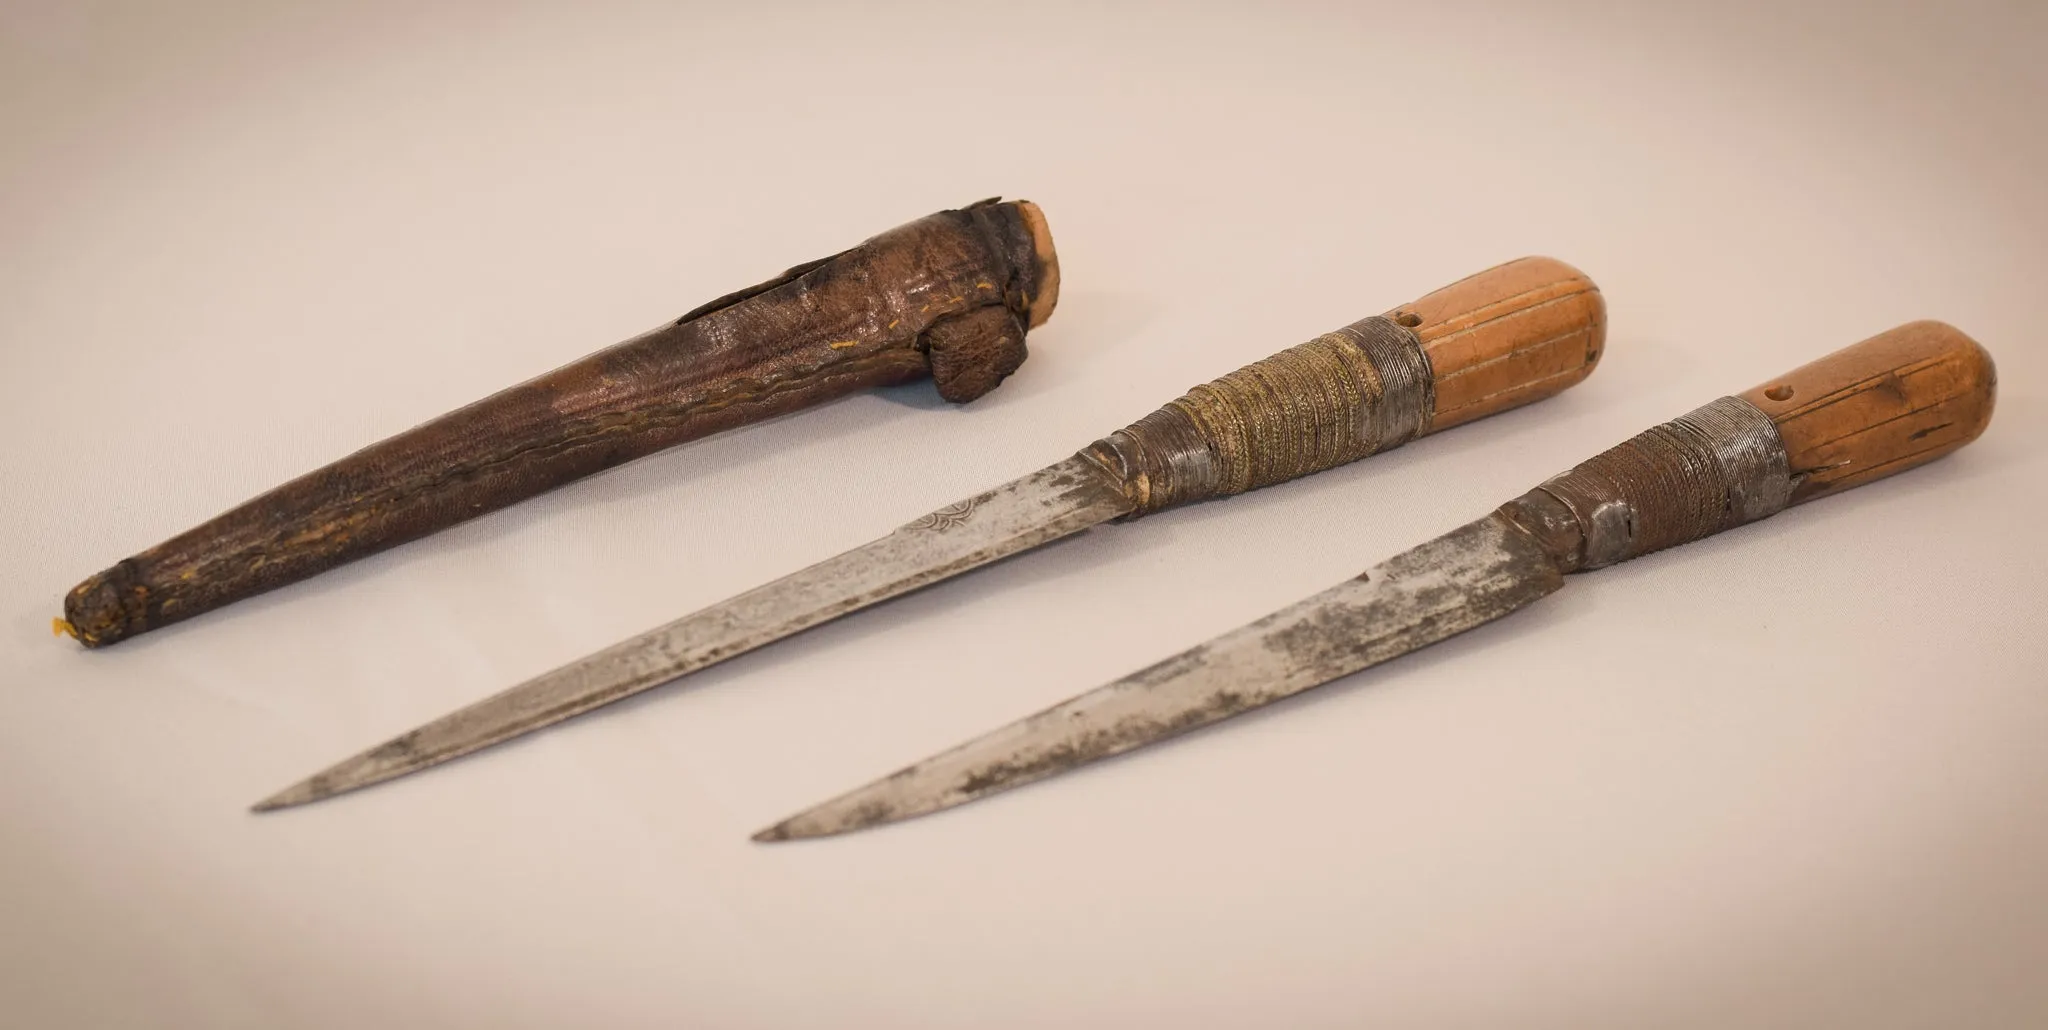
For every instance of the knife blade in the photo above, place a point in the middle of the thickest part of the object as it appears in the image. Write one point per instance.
(1513, 334)
(1017, 516)
(1879, 407)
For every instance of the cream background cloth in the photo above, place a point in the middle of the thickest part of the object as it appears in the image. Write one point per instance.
(1789, 776)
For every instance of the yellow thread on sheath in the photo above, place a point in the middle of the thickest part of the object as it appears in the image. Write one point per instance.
(60, 627)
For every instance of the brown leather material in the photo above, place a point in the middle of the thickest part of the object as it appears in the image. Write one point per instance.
(949, 295)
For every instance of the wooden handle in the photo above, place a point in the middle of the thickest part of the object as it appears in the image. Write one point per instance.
(1515, 333)
(1899, 399)
(1500, 339)
(1894, 401)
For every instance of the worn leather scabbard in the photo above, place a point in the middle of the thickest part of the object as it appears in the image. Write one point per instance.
(949, 296)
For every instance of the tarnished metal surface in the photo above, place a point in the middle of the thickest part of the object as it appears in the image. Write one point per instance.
(1463, 579)
(1048, 504)
(1711, 469)
(1340, 397)
(1335, 399)
(1407, 393)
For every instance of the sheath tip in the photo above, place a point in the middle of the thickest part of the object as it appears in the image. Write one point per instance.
(107, 607)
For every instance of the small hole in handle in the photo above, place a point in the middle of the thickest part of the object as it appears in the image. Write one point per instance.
(1779, 393)
(1407, 319)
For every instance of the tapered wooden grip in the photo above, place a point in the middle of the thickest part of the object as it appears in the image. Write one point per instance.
(1896, 400)
(1513, 334)
(1899, 399)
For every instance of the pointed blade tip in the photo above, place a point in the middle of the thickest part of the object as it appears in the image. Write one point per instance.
(1463, 579)
(832, 819)
(1054, 502)
(291, 797)
(801, 826)
(341, 778)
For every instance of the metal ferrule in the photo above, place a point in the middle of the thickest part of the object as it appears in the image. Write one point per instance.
(1365, 388)
(1714, 468)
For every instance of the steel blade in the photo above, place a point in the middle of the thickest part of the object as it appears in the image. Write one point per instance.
(1463, 579)
(1038, 508)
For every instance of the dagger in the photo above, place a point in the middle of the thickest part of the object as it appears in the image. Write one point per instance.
(1882, 406)
(1513, 334)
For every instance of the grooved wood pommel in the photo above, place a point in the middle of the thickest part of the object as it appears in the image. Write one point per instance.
(1510, 335)
(1899, 399)
(949, 296)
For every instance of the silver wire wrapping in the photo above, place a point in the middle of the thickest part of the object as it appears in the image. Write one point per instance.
(1713, 468)
(1365, 388)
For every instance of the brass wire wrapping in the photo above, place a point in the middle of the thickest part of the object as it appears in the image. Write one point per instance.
(1342, 396)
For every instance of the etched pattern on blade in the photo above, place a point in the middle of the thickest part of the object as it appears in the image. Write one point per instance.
(1468, 577)
(1043, 506)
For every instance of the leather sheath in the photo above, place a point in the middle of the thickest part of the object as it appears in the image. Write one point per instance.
(948, 296)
